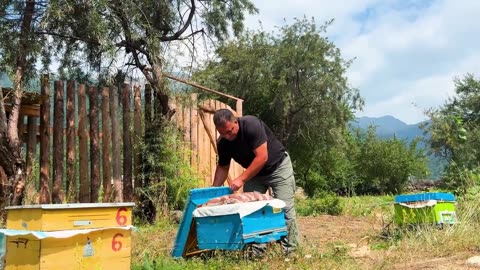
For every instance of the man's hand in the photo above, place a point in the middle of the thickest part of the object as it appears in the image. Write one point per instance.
(236, 184)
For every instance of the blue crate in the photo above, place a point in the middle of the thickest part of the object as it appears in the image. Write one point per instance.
(232, 232)
(186, 237)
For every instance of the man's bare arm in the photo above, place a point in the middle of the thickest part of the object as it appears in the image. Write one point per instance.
(221, 173)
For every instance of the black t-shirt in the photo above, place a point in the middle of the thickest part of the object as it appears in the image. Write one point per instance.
(251, 134)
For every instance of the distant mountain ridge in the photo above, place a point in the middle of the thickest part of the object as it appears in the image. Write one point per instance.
(388, 126)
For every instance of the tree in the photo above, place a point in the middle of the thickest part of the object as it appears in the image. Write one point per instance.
(294, 81)
(455, 133)
(94, 35)
(386, 165)
(18, 21)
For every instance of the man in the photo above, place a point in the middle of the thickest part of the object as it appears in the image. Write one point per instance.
(252, 144)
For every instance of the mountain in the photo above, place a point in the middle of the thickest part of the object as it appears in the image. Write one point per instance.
(388, 126)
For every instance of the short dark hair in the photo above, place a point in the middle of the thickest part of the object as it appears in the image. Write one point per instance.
(222, 116)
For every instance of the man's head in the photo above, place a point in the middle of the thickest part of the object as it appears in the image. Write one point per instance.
(226, 124)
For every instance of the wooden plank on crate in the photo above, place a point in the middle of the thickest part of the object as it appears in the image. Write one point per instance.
(194, 134)
(58, 147)
(106, 145)
(44, 188)
(94, 144)
(137, 123)
(114, 113)
(127, 145)
(84, 191)
(71, 186)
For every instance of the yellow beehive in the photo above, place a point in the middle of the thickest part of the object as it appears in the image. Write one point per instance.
(69, 236)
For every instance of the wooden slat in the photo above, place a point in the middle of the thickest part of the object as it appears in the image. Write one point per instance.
(84, 191)
(71, 187)
(106, 145)
(127, 145)
(45, 143)
(58, 139)
(31, 145)
(137, 123)
(116, 173)
(194, 134)
(94, 144)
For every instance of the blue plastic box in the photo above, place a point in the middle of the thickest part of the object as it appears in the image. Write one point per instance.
(232, 232)
(186, 240)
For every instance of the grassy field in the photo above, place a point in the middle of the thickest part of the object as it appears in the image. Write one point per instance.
(362, 237)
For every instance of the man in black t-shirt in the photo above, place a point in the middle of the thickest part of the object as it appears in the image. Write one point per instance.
(251, 143)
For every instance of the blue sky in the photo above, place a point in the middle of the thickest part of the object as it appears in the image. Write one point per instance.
(407, 53)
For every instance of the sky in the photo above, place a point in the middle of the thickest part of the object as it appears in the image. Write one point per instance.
(406, 53)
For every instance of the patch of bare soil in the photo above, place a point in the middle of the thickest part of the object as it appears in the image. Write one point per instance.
(356, 234)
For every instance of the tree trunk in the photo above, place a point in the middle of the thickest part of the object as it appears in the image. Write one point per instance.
(10, 144)
(58, 195)
(106, 145)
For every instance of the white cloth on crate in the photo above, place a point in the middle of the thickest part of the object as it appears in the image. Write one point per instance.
(242, 209)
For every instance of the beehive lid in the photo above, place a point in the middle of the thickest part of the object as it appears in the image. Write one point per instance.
(438, 196)
(71, 206)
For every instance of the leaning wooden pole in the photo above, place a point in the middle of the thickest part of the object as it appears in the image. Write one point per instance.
(44, 188)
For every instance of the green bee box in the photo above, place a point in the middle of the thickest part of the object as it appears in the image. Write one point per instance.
(425, 208)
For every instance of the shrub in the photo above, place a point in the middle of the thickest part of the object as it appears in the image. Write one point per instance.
(322, 203)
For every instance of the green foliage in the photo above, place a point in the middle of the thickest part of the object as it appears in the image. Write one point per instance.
(321, 203)
(455, 134)
(167, 168)
(385, 166)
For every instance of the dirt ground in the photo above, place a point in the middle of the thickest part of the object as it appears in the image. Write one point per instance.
(324, 233)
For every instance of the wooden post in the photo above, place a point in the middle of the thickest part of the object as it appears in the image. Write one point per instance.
(45, 142)
(106, 145)
(127, 145)
(137, 124)
(94, 145)
(71, 176)
(58, 148)
(117, 180)
(84, 192)
(239, 107)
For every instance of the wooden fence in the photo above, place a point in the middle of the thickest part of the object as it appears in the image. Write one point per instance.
(87, 130)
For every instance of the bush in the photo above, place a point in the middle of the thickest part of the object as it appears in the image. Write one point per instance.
(322, 203)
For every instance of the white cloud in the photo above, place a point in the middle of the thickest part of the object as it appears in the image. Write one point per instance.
(407, 52)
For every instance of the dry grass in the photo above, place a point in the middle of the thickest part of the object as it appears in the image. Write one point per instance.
(363, 238)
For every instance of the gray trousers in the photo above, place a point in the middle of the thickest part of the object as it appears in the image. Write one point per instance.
(282, 182)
